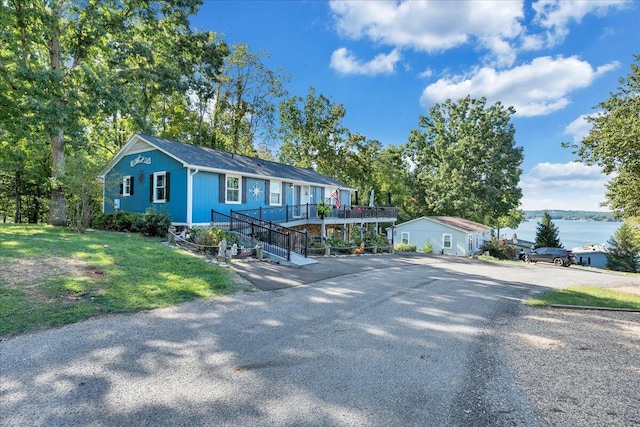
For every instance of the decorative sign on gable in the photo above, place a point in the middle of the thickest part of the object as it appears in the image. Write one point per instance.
(140, 159)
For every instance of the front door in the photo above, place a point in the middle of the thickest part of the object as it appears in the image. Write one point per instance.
(296, 201)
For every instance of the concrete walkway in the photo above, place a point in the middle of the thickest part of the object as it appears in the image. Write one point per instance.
(269, 276)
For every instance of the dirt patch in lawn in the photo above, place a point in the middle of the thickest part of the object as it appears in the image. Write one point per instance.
(30, 274)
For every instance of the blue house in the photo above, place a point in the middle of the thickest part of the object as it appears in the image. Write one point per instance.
(193, 183)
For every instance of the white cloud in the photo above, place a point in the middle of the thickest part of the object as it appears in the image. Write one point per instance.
(556, 15)
(570, 186)
(579, 128)
(534, 89)
(495, 26)
(432, 26)
(345, 62)
(426, 73)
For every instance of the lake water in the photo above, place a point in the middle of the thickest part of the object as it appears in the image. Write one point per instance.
(571, 233)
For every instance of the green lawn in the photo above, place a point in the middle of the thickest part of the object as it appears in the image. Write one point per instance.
(587, 296)
(52, 276)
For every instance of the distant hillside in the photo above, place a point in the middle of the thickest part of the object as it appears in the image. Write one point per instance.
(572, 215)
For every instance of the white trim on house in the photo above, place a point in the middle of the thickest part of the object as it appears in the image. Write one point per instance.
(126, 185)
(190, 174)
(237, 189)
(277, 186)
(402, 237)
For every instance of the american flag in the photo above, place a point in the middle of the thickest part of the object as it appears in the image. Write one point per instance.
(336, 196)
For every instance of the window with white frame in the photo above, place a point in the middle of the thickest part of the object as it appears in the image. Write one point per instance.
(159, 187)
(274, 193)
(233, 189)
(127, 186)
(470, 240)
(404, 237)
(446, 241)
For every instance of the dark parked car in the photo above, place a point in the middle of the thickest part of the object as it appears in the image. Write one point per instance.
(558, 256)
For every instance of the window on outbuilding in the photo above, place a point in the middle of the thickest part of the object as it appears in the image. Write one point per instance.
(405, 237)
(160, 187)
(470, 240)
(126, 188)
(446, 241)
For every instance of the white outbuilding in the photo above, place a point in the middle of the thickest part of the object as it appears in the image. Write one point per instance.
(446, 234)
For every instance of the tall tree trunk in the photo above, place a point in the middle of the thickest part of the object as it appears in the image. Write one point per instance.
(17, 218)
(58, 206)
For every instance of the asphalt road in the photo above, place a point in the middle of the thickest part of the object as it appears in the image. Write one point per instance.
(412, 343)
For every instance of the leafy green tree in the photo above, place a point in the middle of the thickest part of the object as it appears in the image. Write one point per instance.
(367, 166)
(511, 220)
(392, 175)
(547, 233)
(624, 248)
(84, 190)
(245, 107)
(312, 133)
(207, 58)
(56, 59)
(465, 161)
(614, 143)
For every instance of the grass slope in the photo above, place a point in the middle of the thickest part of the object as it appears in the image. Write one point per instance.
(587, 296)
(52, 276)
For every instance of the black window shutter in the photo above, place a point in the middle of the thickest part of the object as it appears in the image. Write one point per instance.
(267, 192)
(244, 190)
(121, 188)
(167, 186)
(131, 181)
(222, 187)
(151, 188)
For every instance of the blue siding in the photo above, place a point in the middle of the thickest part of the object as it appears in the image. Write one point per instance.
(255, 196)
(205, 187)
(141, 172)
(206, 196)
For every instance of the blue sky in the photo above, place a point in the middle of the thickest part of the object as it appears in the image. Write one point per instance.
(388, 62)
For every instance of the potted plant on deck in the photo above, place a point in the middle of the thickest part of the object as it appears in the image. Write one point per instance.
(323, 211)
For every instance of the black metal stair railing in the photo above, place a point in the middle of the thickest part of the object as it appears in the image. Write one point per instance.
(297, 241)
(278, 240)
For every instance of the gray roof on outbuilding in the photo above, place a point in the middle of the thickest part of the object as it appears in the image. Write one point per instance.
(459, 223)
(454, 222)
(203, 157)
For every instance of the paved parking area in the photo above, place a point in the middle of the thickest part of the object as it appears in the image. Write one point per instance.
(402, 341)
(270, 276)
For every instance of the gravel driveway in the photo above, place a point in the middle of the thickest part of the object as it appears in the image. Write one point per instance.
(424, 341)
